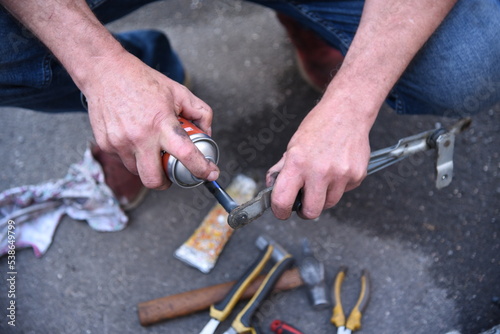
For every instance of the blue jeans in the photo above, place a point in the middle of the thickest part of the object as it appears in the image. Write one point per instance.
(456, 73)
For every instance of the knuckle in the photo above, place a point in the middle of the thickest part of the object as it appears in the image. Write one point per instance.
(322, 170)
(330, 203)
(356, 177)
(186, 153)
(343, 170)
(281, 205)
(310, 213)
(333, 197)
(159, 120)
(115, 141)
(297, 162)
(103, 144)
(281, 209)
(153, 183)
(201, 173)
(351, 174)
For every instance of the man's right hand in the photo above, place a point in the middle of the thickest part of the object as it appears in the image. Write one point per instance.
(133, 112)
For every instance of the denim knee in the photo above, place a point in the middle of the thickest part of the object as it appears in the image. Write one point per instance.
(457, 72)
(31, 78)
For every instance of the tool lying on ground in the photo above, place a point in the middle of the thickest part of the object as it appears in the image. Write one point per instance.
(280, 327)
(312, 272)
(354, 320)
(221, 310)
(170, 307)
(440, 139)
(243, 321)
(185, 303)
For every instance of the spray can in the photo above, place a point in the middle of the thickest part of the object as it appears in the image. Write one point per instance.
(175, 170)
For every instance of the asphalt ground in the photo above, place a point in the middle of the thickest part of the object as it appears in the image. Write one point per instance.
(433, 255)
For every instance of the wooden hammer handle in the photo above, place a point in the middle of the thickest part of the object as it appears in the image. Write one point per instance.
(185, 303)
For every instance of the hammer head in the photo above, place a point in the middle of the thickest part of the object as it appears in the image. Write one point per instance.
(278, 252)
(312, 272)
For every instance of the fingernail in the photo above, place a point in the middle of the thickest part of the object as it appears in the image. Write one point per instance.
(214, 175)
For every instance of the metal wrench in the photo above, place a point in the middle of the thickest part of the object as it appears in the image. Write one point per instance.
(442, 140)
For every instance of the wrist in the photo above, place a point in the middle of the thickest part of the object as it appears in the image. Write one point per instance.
(93, 62)
(351, 105)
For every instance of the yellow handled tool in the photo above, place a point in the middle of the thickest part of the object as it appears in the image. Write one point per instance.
(354, 320)
(283, 260)
(221, 310)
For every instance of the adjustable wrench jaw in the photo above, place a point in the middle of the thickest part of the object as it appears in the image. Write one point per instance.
(251, 210)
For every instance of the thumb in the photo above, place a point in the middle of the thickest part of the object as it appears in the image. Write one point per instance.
(197, 163)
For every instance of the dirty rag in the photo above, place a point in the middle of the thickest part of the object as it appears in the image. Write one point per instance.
(35, 210)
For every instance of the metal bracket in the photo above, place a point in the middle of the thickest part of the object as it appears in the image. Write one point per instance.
(445, 144)
(440, 139)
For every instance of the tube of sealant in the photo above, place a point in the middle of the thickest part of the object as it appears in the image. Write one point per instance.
(203, 248)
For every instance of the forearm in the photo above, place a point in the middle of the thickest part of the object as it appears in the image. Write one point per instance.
(324, 166)
(71, 31)
(390, 34)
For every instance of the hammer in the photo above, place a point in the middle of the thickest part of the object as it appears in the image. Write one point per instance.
(283, 260)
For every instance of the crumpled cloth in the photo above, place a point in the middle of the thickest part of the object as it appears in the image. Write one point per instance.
(36, 210)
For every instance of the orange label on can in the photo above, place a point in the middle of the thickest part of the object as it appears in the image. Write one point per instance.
(188, 126)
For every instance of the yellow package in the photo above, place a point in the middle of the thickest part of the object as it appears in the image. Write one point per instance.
(203, 248)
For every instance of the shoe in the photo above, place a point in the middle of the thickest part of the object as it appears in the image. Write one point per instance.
(127, 187)
(318, 62)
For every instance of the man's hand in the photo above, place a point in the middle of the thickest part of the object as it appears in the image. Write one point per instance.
(137, 121)
(326, 157)
(329, 153)
(132, 107)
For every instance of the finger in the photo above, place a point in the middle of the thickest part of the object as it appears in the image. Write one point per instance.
(180, 146)
(150, 170)
(284, 194)
(334, 194)
(273, 172)
(130, 163)
(313, 199)
(199, 112)
(126, 157)
(355, 182)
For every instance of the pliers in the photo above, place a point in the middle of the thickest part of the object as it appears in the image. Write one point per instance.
(354, 320)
